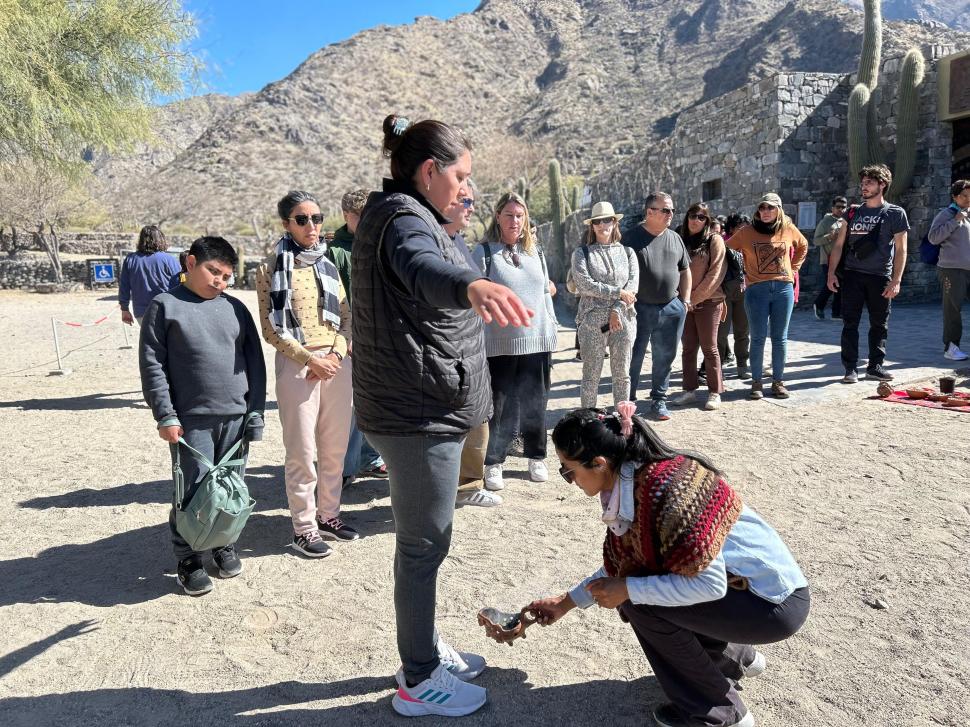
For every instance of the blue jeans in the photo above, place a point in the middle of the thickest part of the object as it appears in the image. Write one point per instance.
(769, 304)
(359, 450)
(661, 326)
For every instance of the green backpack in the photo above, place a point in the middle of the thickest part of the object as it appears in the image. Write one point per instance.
(220, 507)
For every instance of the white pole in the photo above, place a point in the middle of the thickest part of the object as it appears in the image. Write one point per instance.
(124, 329)
(61, 371)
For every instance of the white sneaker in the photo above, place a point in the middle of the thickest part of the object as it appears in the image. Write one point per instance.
(713, 402)
(463, 664)
(953, 353)
(481, 498)
(684, 398)
(441, 693)
(756, 667)
(493, 477)
(538, 471)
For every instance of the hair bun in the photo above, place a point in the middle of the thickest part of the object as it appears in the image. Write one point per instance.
(394, 128)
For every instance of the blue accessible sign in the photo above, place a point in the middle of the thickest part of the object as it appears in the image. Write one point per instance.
(102, 272)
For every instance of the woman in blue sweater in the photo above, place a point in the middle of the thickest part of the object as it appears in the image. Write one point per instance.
(145, 273)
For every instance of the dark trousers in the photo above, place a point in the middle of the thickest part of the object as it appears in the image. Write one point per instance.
(211, 435)
(858, 290)
(697, 652)
(953, 285)
(422, 472)
(520, 390)
(823, 295)
(736, 321)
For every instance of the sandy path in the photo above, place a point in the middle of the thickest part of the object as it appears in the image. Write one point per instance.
(873, 499)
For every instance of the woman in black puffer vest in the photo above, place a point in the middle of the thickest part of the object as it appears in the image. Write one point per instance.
(420, 383)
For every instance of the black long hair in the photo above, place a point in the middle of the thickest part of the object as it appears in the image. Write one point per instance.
(584, 434)
(701, 242)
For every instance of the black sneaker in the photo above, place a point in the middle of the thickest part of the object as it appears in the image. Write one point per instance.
(879, 374)
(228, 562)
(336, 529)
(311, 545)
(192, 576)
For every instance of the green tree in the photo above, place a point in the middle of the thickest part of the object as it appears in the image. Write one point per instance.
(81, 74)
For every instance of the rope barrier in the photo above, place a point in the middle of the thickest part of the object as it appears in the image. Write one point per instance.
(98, 322)
(60, 370)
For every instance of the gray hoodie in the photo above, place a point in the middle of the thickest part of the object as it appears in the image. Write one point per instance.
(953, 237)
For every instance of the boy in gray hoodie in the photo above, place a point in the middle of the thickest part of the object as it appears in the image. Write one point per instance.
(202, 374)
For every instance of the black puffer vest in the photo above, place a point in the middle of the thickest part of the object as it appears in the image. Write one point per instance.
(417, 368)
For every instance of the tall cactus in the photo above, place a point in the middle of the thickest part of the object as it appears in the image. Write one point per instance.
(557, 208)
(577, 198)
(523, 189)
(241, 266)
(863, 130)
(907, 119)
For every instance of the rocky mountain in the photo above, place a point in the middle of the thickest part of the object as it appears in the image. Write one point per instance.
(588, 80)
(934, 13)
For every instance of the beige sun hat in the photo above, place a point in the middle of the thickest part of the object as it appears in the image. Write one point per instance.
(601, 210)
(771, 198)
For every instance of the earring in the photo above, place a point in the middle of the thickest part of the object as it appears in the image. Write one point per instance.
(427, 187)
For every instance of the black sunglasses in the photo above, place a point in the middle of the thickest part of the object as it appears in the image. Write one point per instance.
(467, 203)
(303, 220)
(568, 474)
(664, 210)
(762, 207)
(603, 221)
(699, 217)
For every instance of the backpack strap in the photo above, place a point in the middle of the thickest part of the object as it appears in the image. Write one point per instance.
(487, 249)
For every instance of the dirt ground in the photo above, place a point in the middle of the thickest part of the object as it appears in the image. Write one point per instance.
(873, 499)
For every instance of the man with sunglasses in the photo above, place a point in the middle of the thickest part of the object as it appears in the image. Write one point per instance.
(824, 240)
(663, 297)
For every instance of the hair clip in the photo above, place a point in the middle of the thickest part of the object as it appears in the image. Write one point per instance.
(401, 124)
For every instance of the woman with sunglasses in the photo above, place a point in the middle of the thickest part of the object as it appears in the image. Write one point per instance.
(699, 576)
(606, 276)
(421, 383)
(707, 270)
(773, 251)
(305, 317)
(519, 359)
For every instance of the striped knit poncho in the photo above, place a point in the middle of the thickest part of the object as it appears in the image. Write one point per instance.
(682, 515)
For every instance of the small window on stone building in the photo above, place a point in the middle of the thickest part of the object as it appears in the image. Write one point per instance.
(711, 190)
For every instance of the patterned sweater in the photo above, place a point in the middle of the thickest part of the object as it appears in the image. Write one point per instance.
(683, 512)
(599, 280)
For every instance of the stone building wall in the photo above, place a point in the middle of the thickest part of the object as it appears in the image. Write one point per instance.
(787, 133)
(102, 244)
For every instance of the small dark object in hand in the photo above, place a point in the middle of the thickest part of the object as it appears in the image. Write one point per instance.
(605, 328)
(503, 626)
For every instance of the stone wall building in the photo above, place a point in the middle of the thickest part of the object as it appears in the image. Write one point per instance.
(787, 133)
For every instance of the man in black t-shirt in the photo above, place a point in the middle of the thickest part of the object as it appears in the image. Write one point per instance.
(663, 297)
(873, 245)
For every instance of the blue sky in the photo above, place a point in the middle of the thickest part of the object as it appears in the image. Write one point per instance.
(246, 44)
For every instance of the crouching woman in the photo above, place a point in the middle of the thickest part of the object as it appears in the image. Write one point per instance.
(699, 576)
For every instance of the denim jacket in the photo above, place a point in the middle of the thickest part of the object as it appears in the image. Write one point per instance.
(752, 550)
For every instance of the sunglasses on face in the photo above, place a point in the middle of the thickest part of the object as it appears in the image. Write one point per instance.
(603, 221)
(663, 210)
(764, 207)
(567, 474)
(304, 220)
(468, 203)
(698, 217)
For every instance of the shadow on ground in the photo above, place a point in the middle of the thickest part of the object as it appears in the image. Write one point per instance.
(512, 701)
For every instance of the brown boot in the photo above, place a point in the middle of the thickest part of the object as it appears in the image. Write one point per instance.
(757, 392)
(778, 390)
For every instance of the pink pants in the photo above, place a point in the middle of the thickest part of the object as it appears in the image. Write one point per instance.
(316, 425)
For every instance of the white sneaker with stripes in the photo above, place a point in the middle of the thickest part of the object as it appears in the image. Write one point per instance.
(441, 693)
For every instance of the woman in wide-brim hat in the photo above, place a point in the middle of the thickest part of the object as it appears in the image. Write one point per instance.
(605, 275)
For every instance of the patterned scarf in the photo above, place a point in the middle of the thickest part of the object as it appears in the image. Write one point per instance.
(281, 315)
(683, 514)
